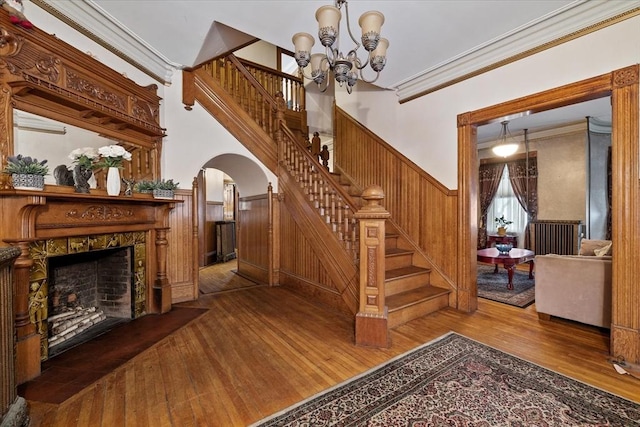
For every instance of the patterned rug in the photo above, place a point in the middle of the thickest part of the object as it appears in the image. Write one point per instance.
(494, 286)
(455, 381)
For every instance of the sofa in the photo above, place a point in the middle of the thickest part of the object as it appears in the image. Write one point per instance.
(575, 287)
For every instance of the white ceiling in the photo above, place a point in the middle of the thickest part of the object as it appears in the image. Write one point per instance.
(431, 41)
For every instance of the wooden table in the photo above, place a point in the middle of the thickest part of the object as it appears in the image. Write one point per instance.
(509, 261)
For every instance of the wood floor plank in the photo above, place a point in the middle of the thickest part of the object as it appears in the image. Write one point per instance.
(260, 350)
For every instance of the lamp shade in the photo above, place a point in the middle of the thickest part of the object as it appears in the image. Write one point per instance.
(303, 42)
(381, 49)
(505, 150)
(316, 62)
(328, 18)
(371, 22)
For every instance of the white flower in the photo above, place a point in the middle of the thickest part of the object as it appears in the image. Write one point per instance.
(112, 156)
(114, 151)
(88, 152)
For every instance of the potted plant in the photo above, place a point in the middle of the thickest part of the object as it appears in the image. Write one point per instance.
(502, 224)
(27, 173)
(144, 187)
(164, 189)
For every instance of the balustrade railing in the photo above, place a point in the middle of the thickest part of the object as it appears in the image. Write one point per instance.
(254, 88)
(334, 205)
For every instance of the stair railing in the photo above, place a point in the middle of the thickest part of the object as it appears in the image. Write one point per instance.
(254, 88)
(332, 202)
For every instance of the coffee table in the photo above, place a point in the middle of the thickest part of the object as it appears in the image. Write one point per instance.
(509, 261)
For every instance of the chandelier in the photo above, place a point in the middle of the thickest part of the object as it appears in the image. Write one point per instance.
(504, 148)
(345, 68)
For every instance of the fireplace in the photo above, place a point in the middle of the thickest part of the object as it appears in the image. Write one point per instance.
(82, 286)
(88, 293)
(58, 222)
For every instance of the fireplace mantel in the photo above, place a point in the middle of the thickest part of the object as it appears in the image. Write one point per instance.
(57, 213)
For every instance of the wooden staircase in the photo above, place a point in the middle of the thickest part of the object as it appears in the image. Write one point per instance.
(408, 292)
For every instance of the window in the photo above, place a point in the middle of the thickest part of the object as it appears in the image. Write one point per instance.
(505, 203)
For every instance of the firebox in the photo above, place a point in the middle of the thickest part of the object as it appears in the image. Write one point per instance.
(88, 292)
(82, 286)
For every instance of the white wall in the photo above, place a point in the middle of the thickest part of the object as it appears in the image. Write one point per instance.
(192, 137)
(215, 185)
(425, 129)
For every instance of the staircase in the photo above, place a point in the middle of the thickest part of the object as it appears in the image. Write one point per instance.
(322, 203)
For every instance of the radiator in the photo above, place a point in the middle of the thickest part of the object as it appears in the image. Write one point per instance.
(556, 237)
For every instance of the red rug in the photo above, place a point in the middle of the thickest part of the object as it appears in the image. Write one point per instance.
(455, 381)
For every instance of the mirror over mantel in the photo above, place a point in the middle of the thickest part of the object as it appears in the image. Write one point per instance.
(45, 77)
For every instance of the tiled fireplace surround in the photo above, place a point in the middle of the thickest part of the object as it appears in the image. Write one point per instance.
(57, 222)
(97, 272)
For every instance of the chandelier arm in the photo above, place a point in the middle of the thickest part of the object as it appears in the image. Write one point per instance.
(346, 8)
(308, 77)
(369, 81)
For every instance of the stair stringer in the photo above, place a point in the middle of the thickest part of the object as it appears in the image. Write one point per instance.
(229, 114)
(420, 258)
(342, 270)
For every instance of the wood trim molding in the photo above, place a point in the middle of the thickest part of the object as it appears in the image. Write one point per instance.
(623, 87)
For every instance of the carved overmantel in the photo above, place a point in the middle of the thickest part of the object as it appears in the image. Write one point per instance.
(45, 76)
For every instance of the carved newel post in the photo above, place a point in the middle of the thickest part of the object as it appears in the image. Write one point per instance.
(371, 320)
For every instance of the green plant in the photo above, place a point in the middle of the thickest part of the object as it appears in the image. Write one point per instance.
(25, 165)
(166, 185)
(502, 222)
(144, 186)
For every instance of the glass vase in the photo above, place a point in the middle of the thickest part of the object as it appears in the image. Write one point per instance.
(113, 181)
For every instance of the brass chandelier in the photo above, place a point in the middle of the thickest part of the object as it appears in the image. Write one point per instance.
(345, 68)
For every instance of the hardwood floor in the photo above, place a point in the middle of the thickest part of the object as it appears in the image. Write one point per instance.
(259, 350)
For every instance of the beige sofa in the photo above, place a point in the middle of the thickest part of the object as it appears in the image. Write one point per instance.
(574, 287)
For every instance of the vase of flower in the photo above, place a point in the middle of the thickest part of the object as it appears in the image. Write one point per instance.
(113, 181)
(83, 170)
(111, 157)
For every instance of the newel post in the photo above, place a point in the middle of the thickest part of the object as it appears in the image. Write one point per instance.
(371, 320)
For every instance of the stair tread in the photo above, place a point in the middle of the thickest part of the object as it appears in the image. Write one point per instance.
(404, 271)
(396, 251)
(404, 299)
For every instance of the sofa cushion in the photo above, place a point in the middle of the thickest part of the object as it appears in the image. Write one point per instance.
(588, 247)
(605, 250)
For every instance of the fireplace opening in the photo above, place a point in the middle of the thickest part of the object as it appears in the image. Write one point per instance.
(89, 293)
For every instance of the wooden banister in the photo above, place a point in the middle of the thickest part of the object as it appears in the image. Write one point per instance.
(334, 205)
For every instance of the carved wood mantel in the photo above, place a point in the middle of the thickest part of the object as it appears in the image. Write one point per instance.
(29, 217)
(43, 75)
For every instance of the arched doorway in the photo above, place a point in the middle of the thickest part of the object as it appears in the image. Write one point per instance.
(221, 180)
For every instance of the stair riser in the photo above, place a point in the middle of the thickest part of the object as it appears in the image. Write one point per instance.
(398, 261)
(422, 308)
(391, 242)
(407, 283)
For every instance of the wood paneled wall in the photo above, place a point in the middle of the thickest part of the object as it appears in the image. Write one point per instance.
(182, 254)
(301, 268)
(419, 205)
(252, 237)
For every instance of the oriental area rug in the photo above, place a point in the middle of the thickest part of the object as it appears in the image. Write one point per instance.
(456, 381)
(493, 286)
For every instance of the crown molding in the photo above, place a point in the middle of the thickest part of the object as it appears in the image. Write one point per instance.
(574, 20)
(105, 30)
